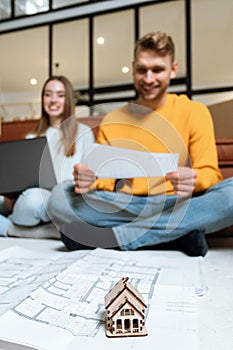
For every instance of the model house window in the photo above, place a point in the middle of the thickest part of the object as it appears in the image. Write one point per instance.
(127, 324)
(118, 324)
(135, 325)
(126, 312)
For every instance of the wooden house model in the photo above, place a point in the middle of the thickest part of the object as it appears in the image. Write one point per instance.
(125, 311)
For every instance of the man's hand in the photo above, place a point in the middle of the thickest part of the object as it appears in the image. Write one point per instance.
(83, 178)
(183, 181)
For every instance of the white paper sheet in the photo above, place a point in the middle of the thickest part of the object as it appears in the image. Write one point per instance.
(122, 163)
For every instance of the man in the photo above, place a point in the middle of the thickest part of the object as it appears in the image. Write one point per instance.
(171, 212)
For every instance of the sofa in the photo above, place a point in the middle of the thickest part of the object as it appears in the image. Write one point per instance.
(18, 129)
(225, 156)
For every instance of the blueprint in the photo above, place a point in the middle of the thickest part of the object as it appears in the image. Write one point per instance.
(22, 271)
(61, 305)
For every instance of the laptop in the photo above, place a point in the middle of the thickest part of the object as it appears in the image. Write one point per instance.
(25, 163)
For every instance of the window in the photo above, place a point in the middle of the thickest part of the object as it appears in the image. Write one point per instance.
(167, 17)
(118, 324)
(5, 10)
(30, 7)
(61, 3)
(117, 33)
(70, 52)
(135, 325)
(127, 324)
(212, 43)
(20, 64)
(127, 312)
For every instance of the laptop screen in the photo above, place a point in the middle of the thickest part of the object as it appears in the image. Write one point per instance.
(24, 164)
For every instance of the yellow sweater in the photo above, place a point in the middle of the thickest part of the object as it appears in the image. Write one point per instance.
(179, 126)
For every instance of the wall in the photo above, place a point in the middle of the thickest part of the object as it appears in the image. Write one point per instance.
(222, 114)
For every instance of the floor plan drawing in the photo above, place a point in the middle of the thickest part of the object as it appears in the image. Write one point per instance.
(76, 295)
(59, 299)
(21, 272)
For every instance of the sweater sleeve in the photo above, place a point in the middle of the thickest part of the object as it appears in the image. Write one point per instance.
(202, 148)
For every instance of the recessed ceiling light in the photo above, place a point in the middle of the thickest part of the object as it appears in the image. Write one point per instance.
(125, 70)
(33, 81)
(100, 40)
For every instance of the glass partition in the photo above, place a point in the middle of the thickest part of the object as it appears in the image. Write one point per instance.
(61, 3)
(30, 7)
(167, 17)
(23, 70)
(113, 48)
(5, 9)
(71, 52)
(212, 44)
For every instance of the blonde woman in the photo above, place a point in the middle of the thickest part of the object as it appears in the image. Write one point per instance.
(68, 141)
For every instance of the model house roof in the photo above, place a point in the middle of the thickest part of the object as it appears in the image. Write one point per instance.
(120, 287)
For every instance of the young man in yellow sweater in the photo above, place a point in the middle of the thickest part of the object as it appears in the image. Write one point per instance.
(174, 211)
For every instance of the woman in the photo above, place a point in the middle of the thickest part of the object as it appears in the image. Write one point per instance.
(68, 141)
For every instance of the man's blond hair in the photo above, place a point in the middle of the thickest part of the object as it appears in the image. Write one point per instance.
(159, 42)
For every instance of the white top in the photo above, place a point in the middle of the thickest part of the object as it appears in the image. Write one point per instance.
(63, 166)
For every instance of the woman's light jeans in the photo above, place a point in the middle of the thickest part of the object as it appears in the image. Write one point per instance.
(29, 210)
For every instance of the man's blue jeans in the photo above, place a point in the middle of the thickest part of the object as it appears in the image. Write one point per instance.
(139, 221)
